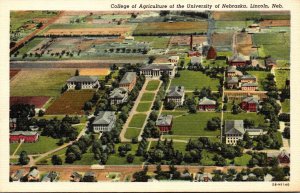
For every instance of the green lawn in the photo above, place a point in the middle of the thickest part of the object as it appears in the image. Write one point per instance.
(132, 132)
(137, 120)
(192, 79)
(214, 63)
(115, 159)
(243, 160)
(174, 113)
(279, 137)
(44, 144)
(239, 24)
(281, 77)
(13, 147)
(194, 124)
(257, 118)
(286, 106)
(207, 158)
(44, 82)
(47, 160)
(156, 42)
(147, 97)
(87, 159)
(29, 45)
(144, 106)
(261, 76)
(283, 63)
(152, 85)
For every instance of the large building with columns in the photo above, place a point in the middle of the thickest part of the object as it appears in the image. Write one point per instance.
(155, 70)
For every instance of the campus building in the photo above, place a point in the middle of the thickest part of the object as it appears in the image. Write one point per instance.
(206, 104)
(25, 136)
(250, 103)
(128, 81)
(155, 70)
(176, 94)
(164, 123)
(83, 82)
(104, 121)
(118, 96)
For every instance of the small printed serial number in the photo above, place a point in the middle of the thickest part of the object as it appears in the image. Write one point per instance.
(280, 184)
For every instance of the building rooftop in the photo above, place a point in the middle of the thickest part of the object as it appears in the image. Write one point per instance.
(105, 118)
(250, 84)
(83, 79)
(26, 133)
(128, 78)
(232, 80)
(239, 58)
(233, 127)
(164, 66)
(206, 101)
(164, 120)
(195, 59)
(118, 93)
(251, 99)
(248, 76)
(176, 91)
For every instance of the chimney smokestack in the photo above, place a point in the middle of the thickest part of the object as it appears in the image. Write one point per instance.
(191, 43)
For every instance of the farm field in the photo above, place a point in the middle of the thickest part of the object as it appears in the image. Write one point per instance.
(222, 41)
(192, 79)
(38, 101)
(275, 23)
(13, 73)
(221, 25)
(257, 118)
(244, 15)
(147, 97)
(137, 120)
(244, 44)
(152, 85)
(94, 71)
(144, 106)
(261, 76)
(285, 106)
(194, 124)
(43, 145)
(156, 42)
(171, 28)
(70, 103)
(277, 47)
(281, 77)
(47, 82)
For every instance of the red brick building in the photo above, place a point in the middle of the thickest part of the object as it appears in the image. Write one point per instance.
(206, 104)
(26, 136)
(128, 81)
(250, 104)
(194, 53)
(211, 53)
(239, 60)
(164, 123)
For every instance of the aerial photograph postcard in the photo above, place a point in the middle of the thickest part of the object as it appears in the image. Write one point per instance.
(149, 96)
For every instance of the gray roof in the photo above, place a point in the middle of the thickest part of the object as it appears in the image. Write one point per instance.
(118, 93)
(164, 120)
(239, 57)
(50, 177)
(128, 77)
(158, 66)
(27, 133)
(233, 69)
(176, 91)
(206, 101)
(248, 76)
(234, 127)
(105, 118)
(270, 60)
(34, 173)
(195, 59)
(83, 79)
(18, 174)
(232, 80)
(250, 84)
(251, 99)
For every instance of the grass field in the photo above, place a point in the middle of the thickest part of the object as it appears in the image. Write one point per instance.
(147, 97)
(171, 28)
(137, 120)
(277, 47)
(47, 160)
(152, 85)
(257, 118)
(132, 132)
(194, 124)
(192, 79)
(70, 102)
(215, 63)
(115, 159)
(28, 46)
(281, 77)
(243, 160)
(144, 106)
(261, 76)
(43, 145)
(40, 82)
(207, 158)
(246, 15)
(87, 159)
(156, 42)
(285, 106)
(283, 63)
(235, 24)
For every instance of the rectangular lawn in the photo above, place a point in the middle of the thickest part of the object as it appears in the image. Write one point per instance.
(147, 97)
(285, 106)
(257, 118)
(194, 124)
(192, 79)
(281, 77)
(243, 160)
(144, 106)
(137, 120)
(132, 132)
(152, 85)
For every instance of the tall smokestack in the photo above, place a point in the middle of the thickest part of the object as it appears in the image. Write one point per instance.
(191, 43)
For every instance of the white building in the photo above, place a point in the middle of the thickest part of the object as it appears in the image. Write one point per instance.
(104, 121)
(176, 94)
(155, 70)
(83, 82)
(234, 131)
(118, 96)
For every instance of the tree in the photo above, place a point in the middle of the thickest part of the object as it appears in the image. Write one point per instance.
(88, 106)
(286, 132)
(170, 105)
(151, 59)
(71, 157)
(41, 113)
(77, 72)
(235, 109)
(193, 109)
(24, 159)
(56, 160)
(130, 158)
(248, 123)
